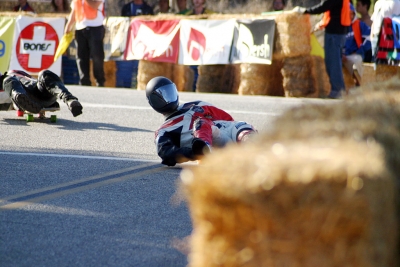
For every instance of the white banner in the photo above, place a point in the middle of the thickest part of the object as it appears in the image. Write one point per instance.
(205, 42)
(116, 36)
(35, 43)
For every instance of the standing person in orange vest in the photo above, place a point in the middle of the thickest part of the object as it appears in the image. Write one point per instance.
(357, 47)
(336, 21)
(88, 16)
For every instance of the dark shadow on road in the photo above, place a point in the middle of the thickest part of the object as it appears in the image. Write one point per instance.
(64, 124)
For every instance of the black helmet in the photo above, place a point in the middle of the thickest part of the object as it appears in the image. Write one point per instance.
(162, 95)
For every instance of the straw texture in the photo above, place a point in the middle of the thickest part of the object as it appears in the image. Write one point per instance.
(308, 203)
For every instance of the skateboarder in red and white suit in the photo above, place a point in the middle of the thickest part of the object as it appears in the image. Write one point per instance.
(190, 129)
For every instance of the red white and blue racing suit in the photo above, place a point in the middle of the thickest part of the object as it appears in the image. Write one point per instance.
(192, 120)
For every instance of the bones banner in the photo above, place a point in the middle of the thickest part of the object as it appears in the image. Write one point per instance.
(35, 43)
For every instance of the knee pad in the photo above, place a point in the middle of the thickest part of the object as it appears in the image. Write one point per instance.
(48, 79)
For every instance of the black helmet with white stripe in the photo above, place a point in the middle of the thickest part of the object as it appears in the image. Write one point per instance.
(162, 95)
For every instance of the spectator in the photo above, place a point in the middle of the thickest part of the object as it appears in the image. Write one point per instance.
(182, 7)
(382, 9)
(357, 47)
(190, 130)
(60, 6)
(278, 5)
(23, 5)
(362, 8)
(88, 17)
(336, 21)
(199, 7)
(136, 8)
(162, 7)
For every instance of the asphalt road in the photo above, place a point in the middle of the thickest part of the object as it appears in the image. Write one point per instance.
(90, 190)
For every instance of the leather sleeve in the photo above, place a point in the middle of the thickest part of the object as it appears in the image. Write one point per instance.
(170, 153)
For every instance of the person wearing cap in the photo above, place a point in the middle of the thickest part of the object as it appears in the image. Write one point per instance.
(357, 47)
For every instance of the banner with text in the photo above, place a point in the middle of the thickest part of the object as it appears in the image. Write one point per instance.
(205, 42)
(35, 43)
(253, 41)
(7, 26)
(153, 40)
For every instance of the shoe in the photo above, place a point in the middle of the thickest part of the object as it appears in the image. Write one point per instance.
(357, 77)
(23, 102)
(200, 147)
(74, 106)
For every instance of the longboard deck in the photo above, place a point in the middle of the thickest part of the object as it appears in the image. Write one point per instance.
(41, 113)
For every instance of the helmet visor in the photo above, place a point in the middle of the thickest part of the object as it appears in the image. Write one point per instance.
(166, 93)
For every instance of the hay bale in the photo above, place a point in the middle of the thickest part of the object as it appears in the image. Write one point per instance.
(109, 73)
(149, 69)
(261, 79)
(292, 38)
(235, 70)
(298, 78)
(369, 73)
(183, 76)
(322, 84)
(349, 82)
(310, 203)
(385, 72)
(213, 79)
(367, 116)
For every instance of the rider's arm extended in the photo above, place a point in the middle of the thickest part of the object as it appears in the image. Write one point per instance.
(169, 152)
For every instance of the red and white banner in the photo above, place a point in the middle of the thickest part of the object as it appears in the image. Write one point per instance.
(35, 43)
(153, 40)
(205, 42)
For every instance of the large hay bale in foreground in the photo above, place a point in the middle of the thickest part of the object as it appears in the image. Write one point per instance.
(317, 203)
(292, 38)
(149, 69)
(261, 79)
(365, 117)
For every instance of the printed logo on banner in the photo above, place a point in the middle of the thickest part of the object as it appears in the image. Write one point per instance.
(196, 44)
(154, 40)
(36, 46)
(199, 44)
(253, 42)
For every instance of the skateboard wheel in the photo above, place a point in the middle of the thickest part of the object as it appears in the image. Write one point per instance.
(29, 117)
(53, 118)
(20, 113)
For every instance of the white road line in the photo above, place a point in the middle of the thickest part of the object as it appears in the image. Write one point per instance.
(75, 156)
(149, 108)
